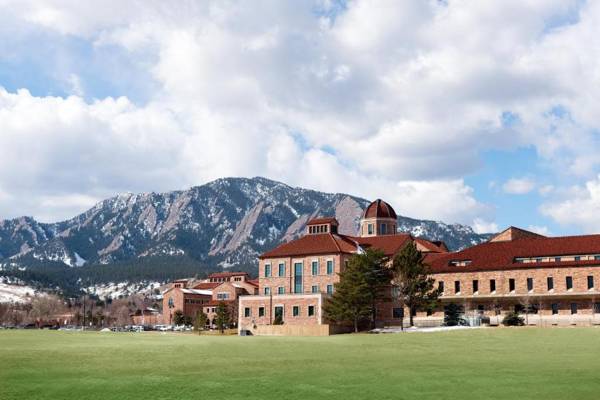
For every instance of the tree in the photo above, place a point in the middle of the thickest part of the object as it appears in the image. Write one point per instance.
(222, 316)
(359, 289)
(178, 317)
(200, 321)
(513, 319)
(453, 315)
(411, 276)
(45, 308)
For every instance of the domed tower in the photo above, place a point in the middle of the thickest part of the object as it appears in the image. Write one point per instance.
(378, 219)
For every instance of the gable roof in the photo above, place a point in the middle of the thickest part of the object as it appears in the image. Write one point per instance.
(326, 243)
(501, 255)
(337, 244)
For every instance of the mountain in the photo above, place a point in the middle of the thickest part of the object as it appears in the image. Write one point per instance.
(223, 224)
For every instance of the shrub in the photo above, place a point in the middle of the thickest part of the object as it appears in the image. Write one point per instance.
(513, 319)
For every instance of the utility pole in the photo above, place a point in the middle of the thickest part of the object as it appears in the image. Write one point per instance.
(83, 313)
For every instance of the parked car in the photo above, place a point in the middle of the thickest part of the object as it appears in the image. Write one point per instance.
(163, 328)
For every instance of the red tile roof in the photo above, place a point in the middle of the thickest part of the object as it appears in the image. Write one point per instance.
(321, 221)
(389, 244)
(336, 244)
(379, 209)
(206, 285)
(253, 282)
(226, 274)
(327, 243)
(501, 255)
(432, 246)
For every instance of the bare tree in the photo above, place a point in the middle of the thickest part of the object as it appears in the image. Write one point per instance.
(45, 308)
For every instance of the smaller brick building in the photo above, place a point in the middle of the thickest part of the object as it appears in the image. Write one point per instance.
(192, 297)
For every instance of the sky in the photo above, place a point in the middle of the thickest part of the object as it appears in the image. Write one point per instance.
(476, 112)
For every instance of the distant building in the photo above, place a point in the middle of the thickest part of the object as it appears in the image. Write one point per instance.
(191, 296)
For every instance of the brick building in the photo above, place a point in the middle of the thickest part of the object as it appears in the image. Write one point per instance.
(296, 277)
(551, 280)
(192, 296)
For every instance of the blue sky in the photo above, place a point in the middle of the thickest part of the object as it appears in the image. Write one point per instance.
(470, 112)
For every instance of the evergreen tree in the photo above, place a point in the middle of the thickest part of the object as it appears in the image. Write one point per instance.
(178, 317)
(359, 289)
(200, 321)
(453, 315)
(222, 316)
(411, 276)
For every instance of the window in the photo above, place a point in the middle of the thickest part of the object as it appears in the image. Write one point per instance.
(329, 289)
(590, 282)
(267, 270)
(261, 311)
(475, 286)
(280, 290)
(577, 258)
(550, 281)
(597, 257)
(398, 312)
(315, 268)
(492, 285)
(556, 259)
(247, 312)
(281, 269)
(296, 311)
(370, 229)
(315, 289)
(554, 308)
(311, 311)
(457, 287)
(440, 287)
(329, 267)
(530, 284)
(573, 308)
(538, 260)
(569, 282)
(297, 277)
(267, 290)
(511, 285)
(596, 308)
(383, 229)
(222, 296)
(171, 302)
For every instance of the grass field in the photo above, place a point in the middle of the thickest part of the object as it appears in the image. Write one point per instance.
(524, 363)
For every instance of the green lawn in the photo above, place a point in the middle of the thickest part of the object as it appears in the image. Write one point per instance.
(526, 363)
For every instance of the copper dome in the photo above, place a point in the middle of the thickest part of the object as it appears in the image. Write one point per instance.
(379, 209)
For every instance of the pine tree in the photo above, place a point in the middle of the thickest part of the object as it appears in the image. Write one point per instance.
(359, 289)
(222, 316)
(200, 321)
(411, 276)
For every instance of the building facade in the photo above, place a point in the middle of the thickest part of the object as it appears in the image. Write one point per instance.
(296, 277)
(191, 297)
(549, 280)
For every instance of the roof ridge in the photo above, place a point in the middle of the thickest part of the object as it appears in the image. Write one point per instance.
(335, 242)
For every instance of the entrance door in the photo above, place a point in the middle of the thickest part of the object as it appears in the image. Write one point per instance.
(297, 277)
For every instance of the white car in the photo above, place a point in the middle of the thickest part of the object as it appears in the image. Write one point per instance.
(163, 328)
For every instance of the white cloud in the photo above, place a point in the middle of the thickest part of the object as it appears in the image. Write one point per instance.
(482, 226)
(579, 207)
(518, 186)
(542, 230)
(385, 99)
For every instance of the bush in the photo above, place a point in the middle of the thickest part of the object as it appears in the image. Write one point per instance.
(513, 319)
